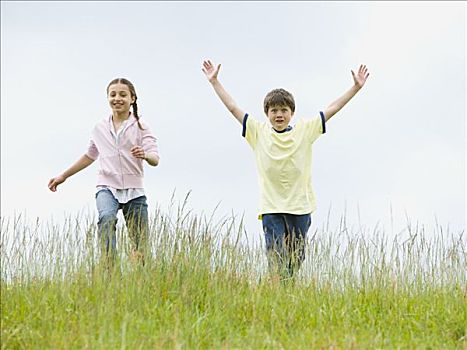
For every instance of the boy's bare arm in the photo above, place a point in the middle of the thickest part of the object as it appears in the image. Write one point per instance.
(211, 74)
(359, 81)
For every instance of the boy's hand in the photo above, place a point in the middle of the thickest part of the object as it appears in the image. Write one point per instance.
(210, 70)
(360, 78)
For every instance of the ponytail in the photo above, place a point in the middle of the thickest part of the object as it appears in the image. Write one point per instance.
(135, 113)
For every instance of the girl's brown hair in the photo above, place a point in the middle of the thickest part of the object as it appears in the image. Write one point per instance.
(131, 87)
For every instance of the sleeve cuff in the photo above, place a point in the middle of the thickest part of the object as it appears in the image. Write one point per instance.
(244, 125)
(91, 156)
(323, 121)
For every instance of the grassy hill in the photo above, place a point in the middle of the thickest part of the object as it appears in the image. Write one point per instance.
(204, 287)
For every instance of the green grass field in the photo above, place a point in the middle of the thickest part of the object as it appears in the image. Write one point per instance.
(205, 288)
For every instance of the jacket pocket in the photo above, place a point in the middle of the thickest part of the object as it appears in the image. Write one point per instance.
(110, 164)
(131, 165)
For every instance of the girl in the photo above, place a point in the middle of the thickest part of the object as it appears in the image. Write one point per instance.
(121, 142)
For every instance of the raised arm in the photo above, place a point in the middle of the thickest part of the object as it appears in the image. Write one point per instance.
(359, 81)
(211, 74)
(83, 162)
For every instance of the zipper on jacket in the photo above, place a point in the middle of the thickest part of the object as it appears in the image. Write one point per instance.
(121, 167)
(117, 142)
(117, 138)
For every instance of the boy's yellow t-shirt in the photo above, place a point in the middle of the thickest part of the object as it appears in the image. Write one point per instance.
(283, 160)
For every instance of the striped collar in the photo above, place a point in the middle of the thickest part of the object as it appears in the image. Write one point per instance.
(288, 128)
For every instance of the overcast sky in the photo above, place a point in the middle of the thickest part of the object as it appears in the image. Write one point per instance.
(400, 143)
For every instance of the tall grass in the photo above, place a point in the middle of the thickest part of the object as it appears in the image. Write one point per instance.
(206, 287)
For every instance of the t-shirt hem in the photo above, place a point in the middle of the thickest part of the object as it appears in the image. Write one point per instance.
(292, 212)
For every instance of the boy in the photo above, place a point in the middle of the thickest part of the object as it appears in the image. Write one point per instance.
(283, 159)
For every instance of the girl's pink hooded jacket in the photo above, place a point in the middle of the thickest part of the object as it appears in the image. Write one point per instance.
(118, 167)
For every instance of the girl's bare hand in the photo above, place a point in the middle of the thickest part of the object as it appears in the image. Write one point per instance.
(54, 182)
(138, 152)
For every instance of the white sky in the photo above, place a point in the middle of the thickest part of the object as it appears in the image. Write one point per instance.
(399, 143)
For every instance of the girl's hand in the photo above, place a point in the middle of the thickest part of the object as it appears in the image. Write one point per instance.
(360, 78)
(54, 182)
(138, 152)
(210, 70)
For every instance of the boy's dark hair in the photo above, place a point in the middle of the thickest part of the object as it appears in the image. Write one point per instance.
(279, 97)
(132, 89)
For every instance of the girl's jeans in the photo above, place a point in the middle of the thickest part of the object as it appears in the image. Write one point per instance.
(135, 213)
(285, 236)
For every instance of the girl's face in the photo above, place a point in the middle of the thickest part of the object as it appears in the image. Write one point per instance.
(120, 98)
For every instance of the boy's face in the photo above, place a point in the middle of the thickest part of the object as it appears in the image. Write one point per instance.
(280, 116)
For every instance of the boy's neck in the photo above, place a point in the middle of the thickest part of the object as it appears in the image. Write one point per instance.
(288, 128)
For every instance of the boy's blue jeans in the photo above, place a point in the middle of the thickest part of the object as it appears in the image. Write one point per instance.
(135, 213)
(285, 236)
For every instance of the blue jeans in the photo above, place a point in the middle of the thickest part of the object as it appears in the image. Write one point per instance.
(285, 236)
(135, 213)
